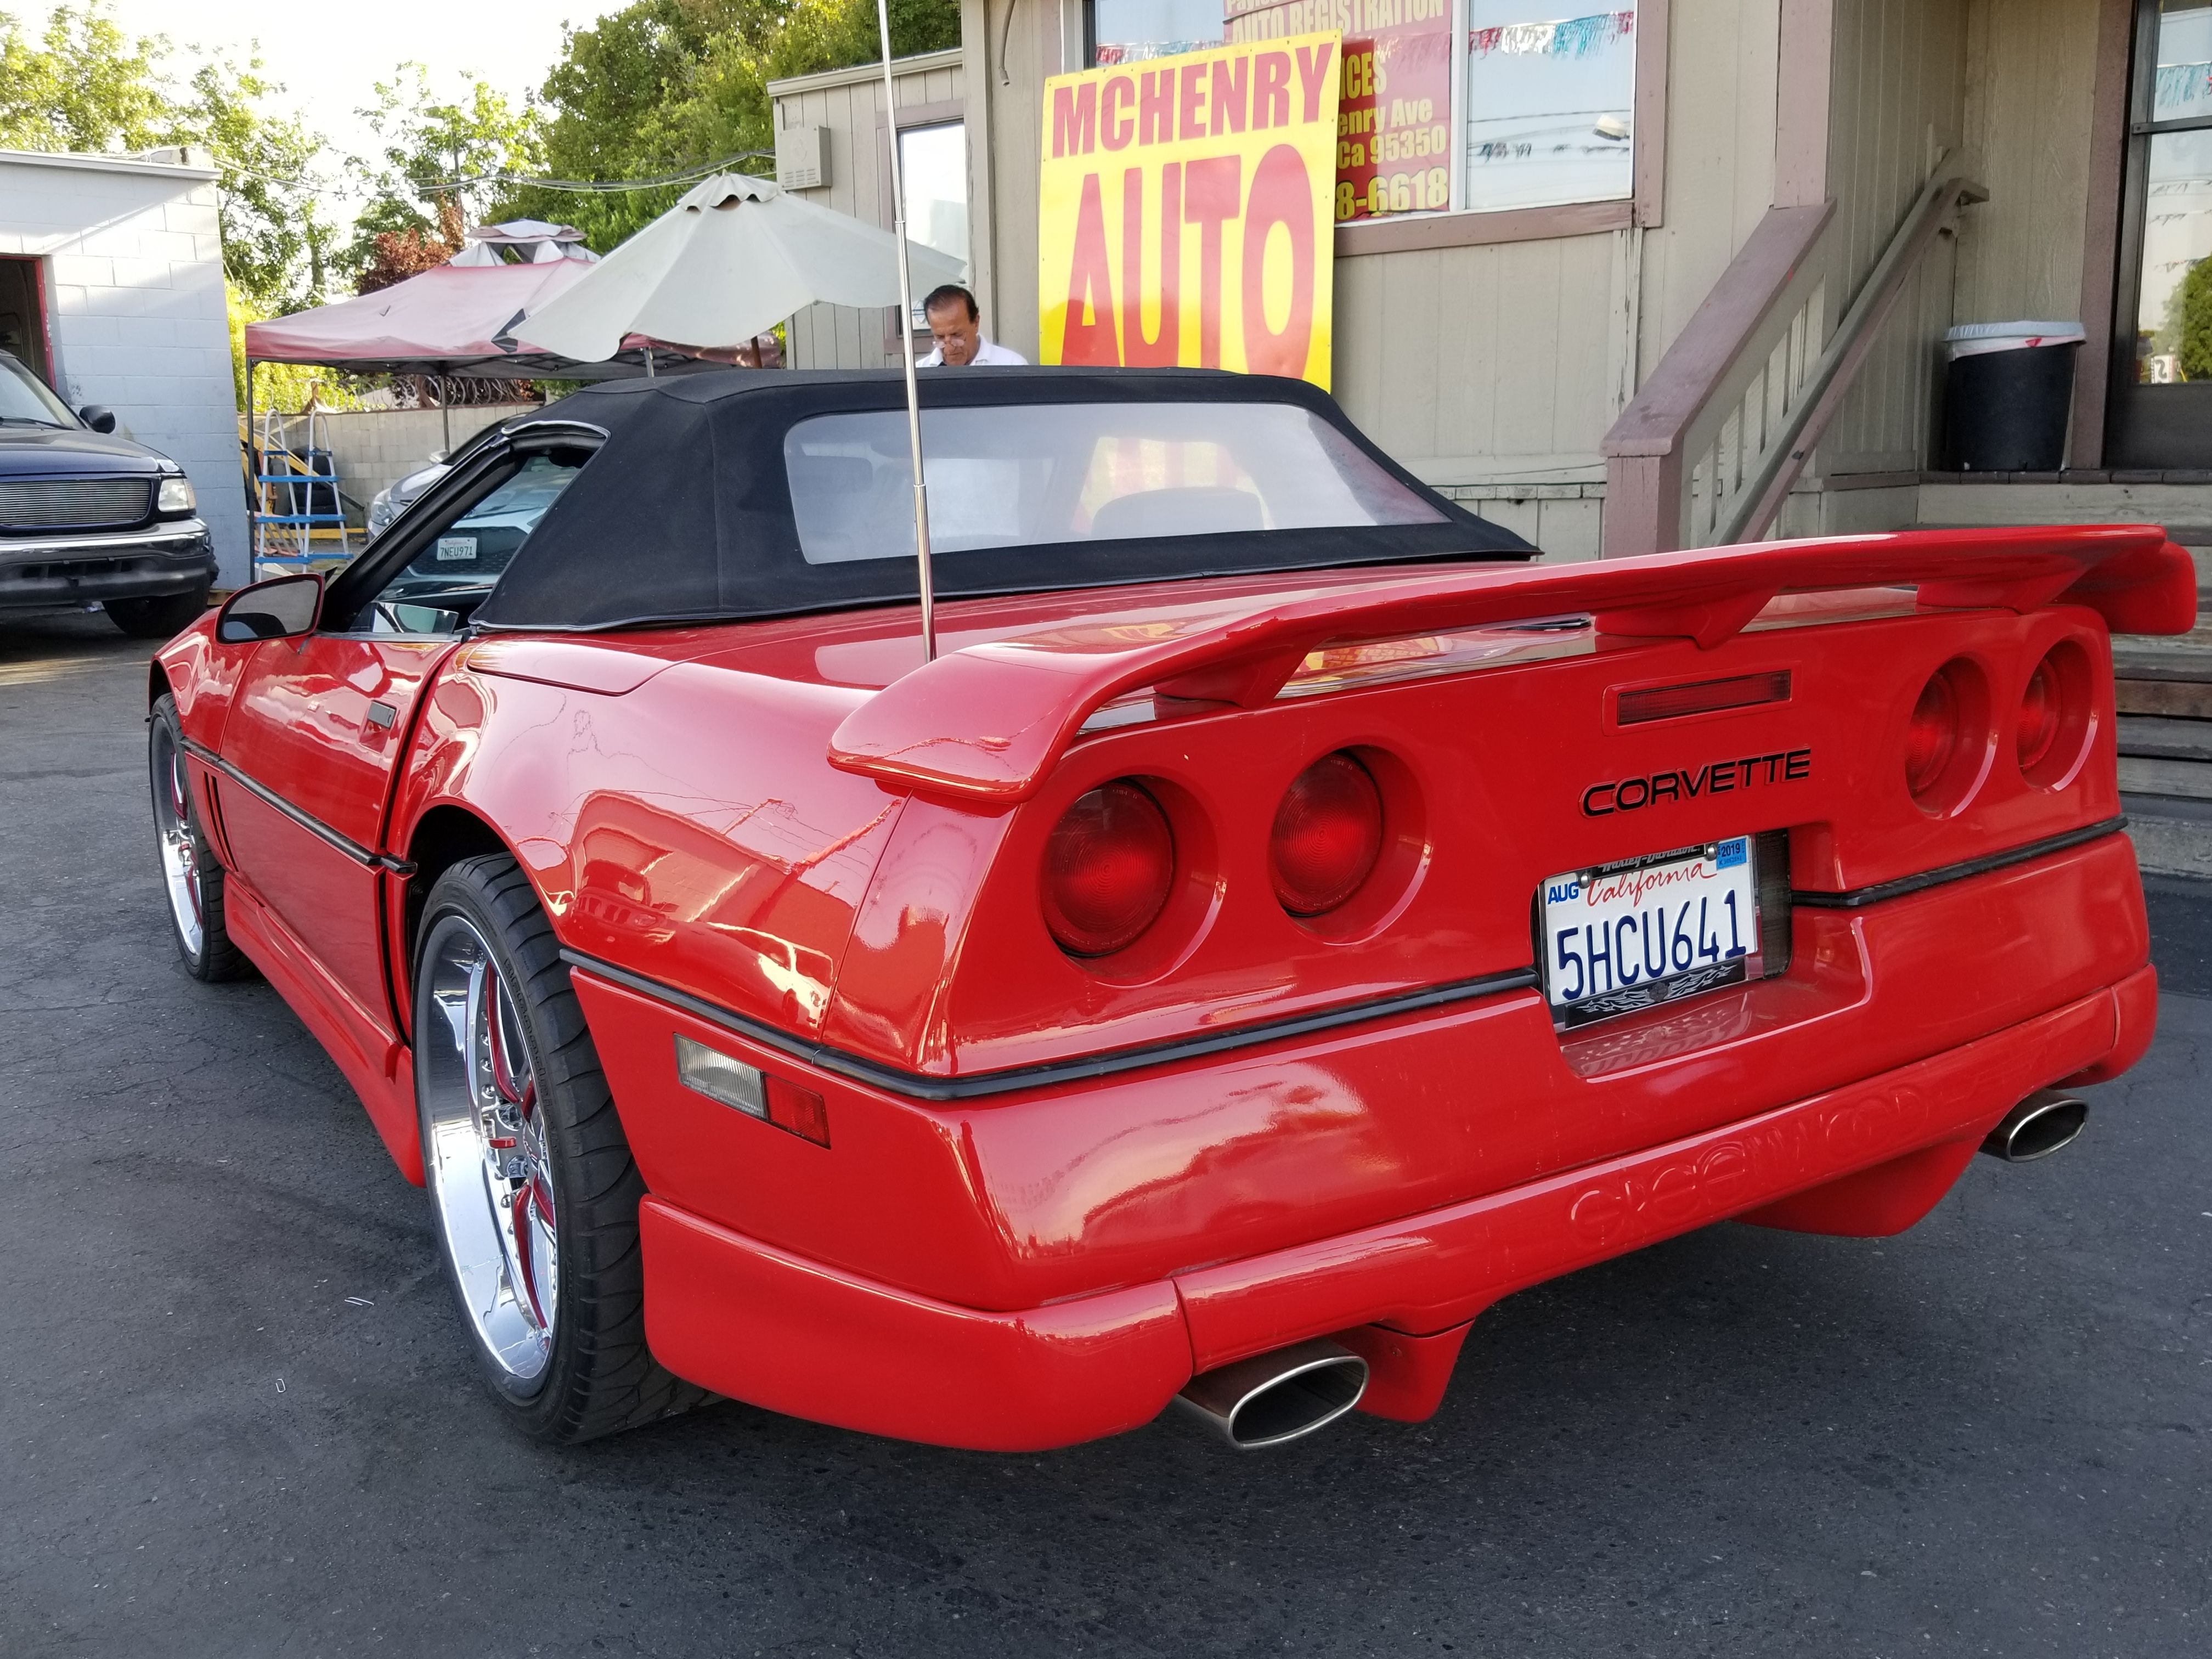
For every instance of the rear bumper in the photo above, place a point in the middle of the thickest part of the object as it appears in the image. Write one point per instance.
(170, 559)
(768, 1325)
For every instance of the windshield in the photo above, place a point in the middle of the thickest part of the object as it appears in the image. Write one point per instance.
(24, 401)
(1039, 474)
(463, 561)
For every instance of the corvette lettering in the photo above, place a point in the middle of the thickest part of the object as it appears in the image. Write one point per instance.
(1713, 778)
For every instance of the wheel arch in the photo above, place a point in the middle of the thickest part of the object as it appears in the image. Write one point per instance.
(441, 839)
(157, 682)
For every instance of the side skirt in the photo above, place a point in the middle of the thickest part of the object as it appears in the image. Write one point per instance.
(381, 1071)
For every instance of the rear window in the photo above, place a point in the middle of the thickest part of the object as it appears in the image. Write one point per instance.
(1039, 475)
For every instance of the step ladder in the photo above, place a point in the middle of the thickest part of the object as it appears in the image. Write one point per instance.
(296, 510)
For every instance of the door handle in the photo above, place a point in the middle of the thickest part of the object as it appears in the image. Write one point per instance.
(382, 715)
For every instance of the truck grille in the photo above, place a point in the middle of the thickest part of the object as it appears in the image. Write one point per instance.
(72, 503)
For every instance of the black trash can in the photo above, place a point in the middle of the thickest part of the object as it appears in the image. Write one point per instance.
(2007, 395)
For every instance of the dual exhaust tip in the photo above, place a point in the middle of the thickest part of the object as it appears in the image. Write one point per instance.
(1274, 1398)
(2040, 1126)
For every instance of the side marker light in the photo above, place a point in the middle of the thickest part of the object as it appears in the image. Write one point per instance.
(748, 1089)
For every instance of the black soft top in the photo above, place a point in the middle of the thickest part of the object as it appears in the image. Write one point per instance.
(685, 513)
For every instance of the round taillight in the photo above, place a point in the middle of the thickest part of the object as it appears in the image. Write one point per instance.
(1327, 834)
(2039, 709)
(1108, 869)
(1932, 738)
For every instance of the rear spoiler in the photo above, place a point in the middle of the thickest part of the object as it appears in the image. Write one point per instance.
(987, 724)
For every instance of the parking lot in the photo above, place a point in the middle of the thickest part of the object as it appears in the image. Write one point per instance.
(237, 1416)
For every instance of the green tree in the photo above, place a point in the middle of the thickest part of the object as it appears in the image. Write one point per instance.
(84, 86)
(2189, 322)
(664, 86)
(430, 142)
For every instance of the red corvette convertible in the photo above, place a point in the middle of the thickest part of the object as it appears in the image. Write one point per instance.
(1282, 921)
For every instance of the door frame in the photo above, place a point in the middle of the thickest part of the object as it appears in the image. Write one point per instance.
(2186, 423)
(42, 312)
(2100, 239)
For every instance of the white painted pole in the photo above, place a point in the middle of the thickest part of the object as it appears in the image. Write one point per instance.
(906, 343)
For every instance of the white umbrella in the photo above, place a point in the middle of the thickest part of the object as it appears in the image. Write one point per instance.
(731, 260)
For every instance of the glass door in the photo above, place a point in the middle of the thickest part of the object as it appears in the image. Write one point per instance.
(2162, 398)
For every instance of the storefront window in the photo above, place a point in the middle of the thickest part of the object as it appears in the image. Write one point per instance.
(1126, 31)
(934, 169)
(1550, 106)
(2173, 288)
(1545, 111)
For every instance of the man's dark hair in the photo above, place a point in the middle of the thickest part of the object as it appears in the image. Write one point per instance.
(946, 295)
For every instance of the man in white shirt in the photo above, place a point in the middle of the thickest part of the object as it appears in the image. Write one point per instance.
(955, 326)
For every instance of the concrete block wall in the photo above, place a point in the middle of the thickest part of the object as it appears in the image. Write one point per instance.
(132, 267)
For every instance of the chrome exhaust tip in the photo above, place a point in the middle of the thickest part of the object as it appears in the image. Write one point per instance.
(2037, 1128)
(1272, 1398)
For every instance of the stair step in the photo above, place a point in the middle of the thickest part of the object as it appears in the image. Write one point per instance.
(2166, 842)
(2182, 699)
(2172, 657)
(2151, 737)
(2189, 779)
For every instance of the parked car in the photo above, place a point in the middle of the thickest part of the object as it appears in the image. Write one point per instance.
(1281, 920)
(89, 517)
(391, 500)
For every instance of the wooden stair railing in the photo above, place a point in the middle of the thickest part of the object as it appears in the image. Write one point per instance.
(1707, 451)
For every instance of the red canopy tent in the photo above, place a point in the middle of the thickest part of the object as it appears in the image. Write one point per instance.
(451, 320)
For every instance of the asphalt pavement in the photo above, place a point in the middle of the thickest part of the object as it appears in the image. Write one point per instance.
(237, 1417)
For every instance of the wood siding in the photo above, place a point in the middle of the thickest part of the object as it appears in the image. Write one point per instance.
(1898, 108)
(850, 104)
(2031, 76)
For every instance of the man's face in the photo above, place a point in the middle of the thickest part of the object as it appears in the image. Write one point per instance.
(954, 331)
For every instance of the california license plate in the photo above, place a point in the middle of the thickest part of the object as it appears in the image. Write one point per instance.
(1649, 930)
(452, 547)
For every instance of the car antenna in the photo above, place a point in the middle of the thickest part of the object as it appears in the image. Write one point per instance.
(906, 343)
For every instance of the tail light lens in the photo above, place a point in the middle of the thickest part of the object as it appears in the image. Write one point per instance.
(2039, 710)
(1108, 867)
(1932, 738)
(1327, 834)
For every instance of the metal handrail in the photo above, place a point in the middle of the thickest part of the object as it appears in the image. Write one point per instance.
(1689, 397)
(1933, 213)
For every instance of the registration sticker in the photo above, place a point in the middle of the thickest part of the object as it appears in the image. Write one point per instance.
(456, 547)
(1649, 930)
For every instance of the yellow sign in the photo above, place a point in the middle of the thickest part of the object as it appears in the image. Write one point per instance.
(1186, 210)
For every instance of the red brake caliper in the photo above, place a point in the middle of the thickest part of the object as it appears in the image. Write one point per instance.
(181, 805)
(528, 1197)
(531, 1195)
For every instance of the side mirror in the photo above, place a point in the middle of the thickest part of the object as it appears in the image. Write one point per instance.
(282, 608)
(99, 417)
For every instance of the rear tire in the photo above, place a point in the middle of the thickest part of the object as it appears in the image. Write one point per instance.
(156, 619)
(192, 875)
(529, 1176)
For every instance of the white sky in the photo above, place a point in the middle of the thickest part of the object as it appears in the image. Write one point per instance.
(329, 56)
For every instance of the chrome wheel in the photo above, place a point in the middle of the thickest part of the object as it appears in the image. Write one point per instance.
(485, 1153)
(180, 842)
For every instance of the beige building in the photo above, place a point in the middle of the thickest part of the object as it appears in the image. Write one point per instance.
(1607, 348)
(1679, 272)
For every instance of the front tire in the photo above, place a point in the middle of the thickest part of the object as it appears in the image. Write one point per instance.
(529, 1176)
(192, 875)
(159, 618)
